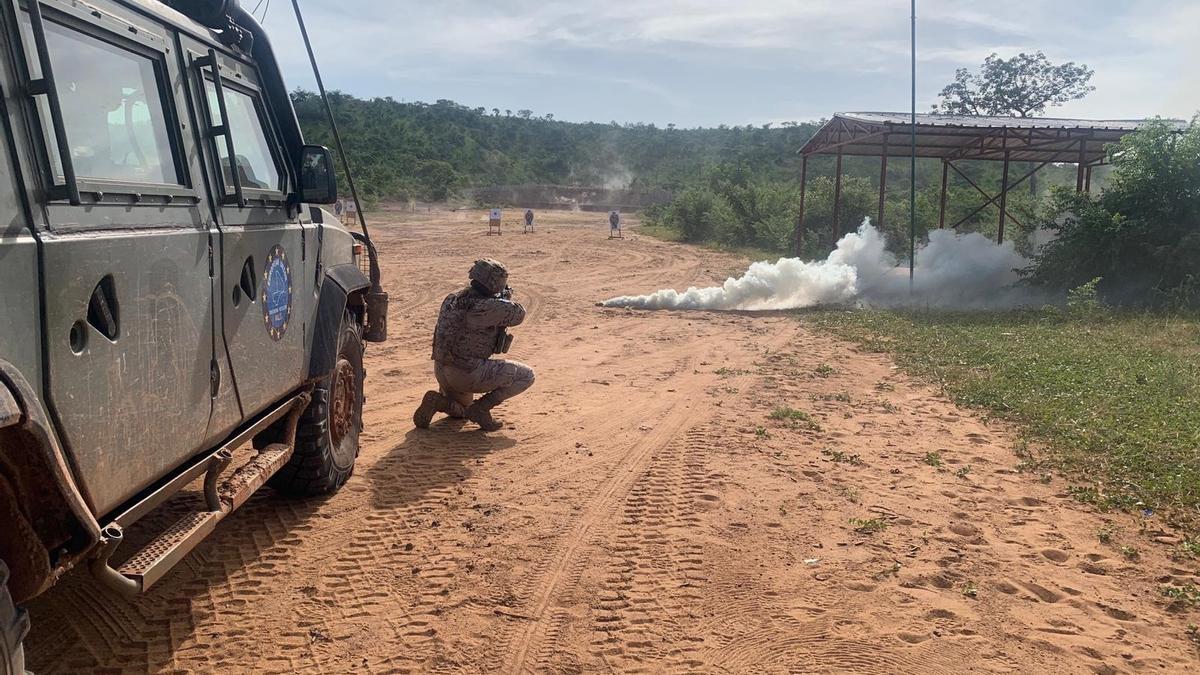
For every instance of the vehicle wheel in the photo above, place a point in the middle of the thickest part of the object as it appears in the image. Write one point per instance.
(14, 624)
(327, 436)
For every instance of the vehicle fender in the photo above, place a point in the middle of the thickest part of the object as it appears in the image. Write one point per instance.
(339, 284)
(48, 527)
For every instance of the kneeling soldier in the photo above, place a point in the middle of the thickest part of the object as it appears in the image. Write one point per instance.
(470, 329)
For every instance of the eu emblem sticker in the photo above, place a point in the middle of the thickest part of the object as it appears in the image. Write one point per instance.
(277, 293)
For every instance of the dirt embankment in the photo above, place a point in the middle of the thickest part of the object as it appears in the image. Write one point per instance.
(643, 512)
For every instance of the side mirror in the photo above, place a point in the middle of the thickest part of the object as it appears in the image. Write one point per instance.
(318, 180)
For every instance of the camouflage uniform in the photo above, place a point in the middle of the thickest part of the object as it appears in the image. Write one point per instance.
(467, 328)
(469, 325)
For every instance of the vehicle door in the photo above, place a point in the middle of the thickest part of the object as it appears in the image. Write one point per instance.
(124, 235)
(265, 269)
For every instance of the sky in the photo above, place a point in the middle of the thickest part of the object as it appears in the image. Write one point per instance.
(709, 62)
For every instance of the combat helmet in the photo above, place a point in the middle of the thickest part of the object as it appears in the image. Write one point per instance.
(491, 274)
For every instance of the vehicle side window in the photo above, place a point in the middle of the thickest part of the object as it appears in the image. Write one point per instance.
(112, 109)
(256, 165)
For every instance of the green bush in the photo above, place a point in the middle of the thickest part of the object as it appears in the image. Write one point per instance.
(690, 213)
(1142, 233)
(1083, 302)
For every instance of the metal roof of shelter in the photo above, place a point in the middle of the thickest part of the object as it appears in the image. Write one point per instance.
(951, 138)
(955, 137)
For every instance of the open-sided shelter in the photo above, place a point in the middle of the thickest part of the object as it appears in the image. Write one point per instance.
(956, 138)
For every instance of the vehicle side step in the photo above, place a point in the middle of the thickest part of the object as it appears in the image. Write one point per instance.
(160, 555)
(222, 497)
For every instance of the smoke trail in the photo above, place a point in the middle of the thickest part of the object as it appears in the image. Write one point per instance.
(953, 271)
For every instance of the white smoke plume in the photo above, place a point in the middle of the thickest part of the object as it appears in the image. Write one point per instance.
(953, 271)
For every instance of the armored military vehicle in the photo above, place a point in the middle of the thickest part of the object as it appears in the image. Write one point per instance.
(170, 289)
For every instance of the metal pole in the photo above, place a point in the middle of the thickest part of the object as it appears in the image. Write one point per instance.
(800, 232)
(882, 181)
(333, 123)
(1082, 165)
(837, 199)
(942, 207)
(1003, 199)
(912, 178)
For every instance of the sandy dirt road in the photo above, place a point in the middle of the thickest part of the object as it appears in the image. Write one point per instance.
(641, 512)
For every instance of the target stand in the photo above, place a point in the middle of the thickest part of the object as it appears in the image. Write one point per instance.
(614, 225)
(494, 222)
(528, 228)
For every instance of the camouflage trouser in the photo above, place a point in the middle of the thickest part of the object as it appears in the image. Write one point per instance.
(497, 378)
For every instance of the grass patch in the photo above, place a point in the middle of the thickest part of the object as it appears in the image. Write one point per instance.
(659, 231)
(869, 525)
(786, 413)
(797, 419)
(843, 458)
(1189, 548)
(1188, 595)
(664, 232)
(1115, 397)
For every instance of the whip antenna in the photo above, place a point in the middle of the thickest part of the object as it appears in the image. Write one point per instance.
(376, 297)
(333, 123)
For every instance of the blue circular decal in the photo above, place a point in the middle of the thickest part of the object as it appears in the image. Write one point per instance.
(277, 293)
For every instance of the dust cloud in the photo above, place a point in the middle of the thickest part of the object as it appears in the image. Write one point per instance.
(953, 271)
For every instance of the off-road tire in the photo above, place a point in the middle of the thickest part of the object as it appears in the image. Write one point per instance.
(327, 435)
(14, 624)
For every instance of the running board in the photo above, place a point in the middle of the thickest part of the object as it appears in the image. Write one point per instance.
(221, 496)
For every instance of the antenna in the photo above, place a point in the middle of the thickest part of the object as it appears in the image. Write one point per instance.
(337, 139)
(376, 298)
(912, 177)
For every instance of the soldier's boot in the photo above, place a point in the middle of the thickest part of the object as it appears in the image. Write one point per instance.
(433, 403)
(480, 412)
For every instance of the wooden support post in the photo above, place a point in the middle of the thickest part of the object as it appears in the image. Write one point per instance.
(942, 205)
(837, 198)
(1079, 173)
(1087, 181)
(798, 245)
(882, 182)
(1003, 199)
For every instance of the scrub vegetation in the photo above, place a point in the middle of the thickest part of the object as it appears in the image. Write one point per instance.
(1110, 397)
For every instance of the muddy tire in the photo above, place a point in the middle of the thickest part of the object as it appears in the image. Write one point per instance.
(327, 436)
(14, 624)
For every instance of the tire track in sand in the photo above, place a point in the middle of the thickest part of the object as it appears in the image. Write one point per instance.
(558, 569)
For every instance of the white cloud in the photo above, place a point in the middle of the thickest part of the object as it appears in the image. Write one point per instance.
(664, 53)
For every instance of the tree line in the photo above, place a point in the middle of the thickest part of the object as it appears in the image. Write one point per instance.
(430, 151)
(737, 186)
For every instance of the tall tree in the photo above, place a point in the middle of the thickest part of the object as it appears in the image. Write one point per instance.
(1022, 86)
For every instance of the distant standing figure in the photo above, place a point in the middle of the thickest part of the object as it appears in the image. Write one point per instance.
(529, 219)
